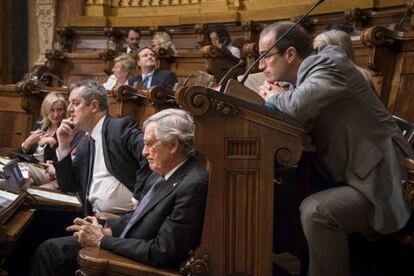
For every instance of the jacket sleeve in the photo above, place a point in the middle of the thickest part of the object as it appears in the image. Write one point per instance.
(68, 170)
(133, 141)
(323, 83)
(170, 81)
(179, 233)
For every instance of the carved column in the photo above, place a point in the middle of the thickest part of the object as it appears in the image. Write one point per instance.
(45, 13)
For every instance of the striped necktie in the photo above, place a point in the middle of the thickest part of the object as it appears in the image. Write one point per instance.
(141, 205)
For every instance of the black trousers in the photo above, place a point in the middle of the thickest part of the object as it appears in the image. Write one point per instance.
(46, 224)
(56, 257)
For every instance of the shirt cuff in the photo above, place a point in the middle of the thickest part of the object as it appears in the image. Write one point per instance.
(63, 154)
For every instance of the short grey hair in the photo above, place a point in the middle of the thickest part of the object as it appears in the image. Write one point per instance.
(93, 90)
(170, 123)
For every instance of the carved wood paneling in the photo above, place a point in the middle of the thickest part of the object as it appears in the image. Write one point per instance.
(242, 148)
(45, 13)
(241, 220)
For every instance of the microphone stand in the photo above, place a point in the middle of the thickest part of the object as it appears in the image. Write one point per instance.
(277, 41)
(229, 74)
(64, 85)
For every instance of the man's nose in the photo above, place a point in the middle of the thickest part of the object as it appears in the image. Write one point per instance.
(262, 65)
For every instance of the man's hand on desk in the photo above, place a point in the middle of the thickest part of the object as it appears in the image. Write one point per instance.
(267, 89)
(88, 231)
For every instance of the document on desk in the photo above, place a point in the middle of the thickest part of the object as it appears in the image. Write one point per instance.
(6, 198)
(55, 196)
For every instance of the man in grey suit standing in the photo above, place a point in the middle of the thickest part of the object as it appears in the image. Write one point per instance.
(358, 145)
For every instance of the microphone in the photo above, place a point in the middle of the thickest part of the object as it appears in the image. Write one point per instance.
(64, 85)
(27, 157)
(279, 39)
(229, 73)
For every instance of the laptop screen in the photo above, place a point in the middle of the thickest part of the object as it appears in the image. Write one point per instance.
(15, 179)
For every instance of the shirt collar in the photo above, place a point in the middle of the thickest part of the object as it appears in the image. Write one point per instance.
(149, 74)
(98, 128)
(168, 174)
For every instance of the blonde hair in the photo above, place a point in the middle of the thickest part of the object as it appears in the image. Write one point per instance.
(128, 64)
(166, 41)
(47, 104)
(337, 38)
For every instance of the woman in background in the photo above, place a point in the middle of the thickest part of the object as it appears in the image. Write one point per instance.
(220, 37)
(125, 66)
(343, 41)
(163, 40)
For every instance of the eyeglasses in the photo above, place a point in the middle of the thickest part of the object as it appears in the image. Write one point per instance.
(150, 143)
(268, 55)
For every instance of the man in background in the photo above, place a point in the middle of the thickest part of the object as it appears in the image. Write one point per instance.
(150, 76)
(132, 41)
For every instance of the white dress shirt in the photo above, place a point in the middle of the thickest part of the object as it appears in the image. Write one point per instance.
(106, 193)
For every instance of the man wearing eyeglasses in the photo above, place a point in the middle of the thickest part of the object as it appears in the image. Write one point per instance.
(359, 148)
(168, 220)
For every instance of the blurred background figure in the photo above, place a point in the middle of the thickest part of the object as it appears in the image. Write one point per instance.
(133, 37)
(125, 66)
(341, 26)
(220, 37)
(163, 40)
(343, 41)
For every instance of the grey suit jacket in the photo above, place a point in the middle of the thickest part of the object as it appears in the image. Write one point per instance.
(170, 224)
(355, 136)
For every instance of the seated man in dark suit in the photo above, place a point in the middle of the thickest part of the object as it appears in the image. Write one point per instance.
(132, 41)
(146, 60)
(167, 222)
(107, 167)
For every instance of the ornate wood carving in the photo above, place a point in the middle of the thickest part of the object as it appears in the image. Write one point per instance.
(251, 30)
(45, 13)
(242, 148)
(64, 40)
(225, 109)
(114, 38)
(200, 30)
(250, 52)
(408, 184)
(195, 267)
(356, 16)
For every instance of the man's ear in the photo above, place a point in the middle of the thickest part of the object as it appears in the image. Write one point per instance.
(292, 54)
(95, 106)
(174, 145)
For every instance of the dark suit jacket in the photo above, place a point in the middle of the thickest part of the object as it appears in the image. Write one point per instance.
(170, 224)
(122, 148)
(161, 78)
(50, 152)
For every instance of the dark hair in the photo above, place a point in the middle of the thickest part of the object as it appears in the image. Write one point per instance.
(134, 30)
(340, 26)
(297, 38)
(222, 33)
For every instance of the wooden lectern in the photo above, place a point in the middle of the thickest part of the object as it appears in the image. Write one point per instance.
(240, 142)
